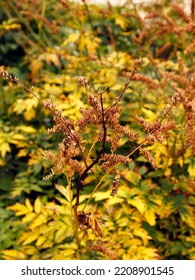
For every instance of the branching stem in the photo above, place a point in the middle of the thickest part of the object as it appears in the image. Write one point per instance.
(82, 177)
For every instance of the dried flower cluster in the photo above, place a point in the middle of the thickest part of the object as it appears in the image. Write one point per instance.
(153, 129)
(115, 186)
(69, 148)
(144, 79)
(164, 24)
(100, 247)
(183, 84)
(113, 159)
(149, 157)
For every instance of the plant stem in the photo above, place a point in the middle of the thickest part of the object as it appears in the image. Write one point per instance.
(81, 178)
(108, 171)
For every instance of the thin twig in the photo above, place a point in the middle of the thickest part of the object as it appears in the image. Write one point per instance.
(81, 178)
(133, 72)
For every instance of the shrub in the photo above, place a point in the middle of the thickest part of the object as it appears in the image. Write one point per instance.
(101, 168)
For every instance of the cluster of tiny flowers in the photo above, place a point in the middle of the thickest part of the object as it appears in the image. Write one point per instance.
(5, 74)
(49, 176)
(50, 105)
(182, 13)
(95, 103)
(149, 157)
(190, 48)
(114, 159)
(152, 128)
(149, 127)
(104, 250)
(184, 87)
(115, 185)
(176, 99)
(84, 82)
(88, 116)
(146, 80)
(93, 115)
(64, 161)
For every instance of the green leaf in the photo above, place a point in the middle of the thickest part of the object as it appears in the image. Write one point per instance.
(132, 177)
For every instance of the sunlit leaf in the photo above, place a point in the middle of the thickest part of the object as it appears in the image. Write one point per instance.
(71, 38)
(65, 191)
(13, 254)
(139, 203)
(28, 204)
(4, 149)
(32, 237)
(28, 217)
(191, 170)
(132, 177)
(40, 240)
(37, 205)
(150, 216)
(41, 219)
(121, 21)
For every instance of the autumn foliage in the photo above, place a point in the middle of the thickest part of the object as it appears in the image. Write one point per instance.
(97, 131)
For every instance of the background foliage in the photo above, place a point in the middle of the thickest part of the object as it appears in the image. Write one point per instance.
(48, 44)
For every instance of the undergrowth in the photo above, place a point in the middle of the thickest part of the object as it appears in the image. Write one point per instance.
(120, 144)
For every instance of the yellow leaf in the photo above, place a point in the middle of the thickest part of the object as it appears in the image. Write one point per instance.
(121, 21)
(41, 219)
(101, 195)
(22, 153)
(36, 66)
(150, 216)
(191, 170)
(138, 203)
(23, 237)
(132, 177)
(116, 87)
(30, 239)
(140, 232)
(37, 205)
(168, 172)
(67, 254)
(27, 129)
(28, 204)
(20, 208)
(30, 114)
(40, 240)
(71, 39)
(52, 58)
(180, 160)
(67, 192)
(16, 138)
(17, 255)
(29, 217)
(92, 45)
(188, 216)
(31, 103)
(148, 115)
(60, 234)
(30, 250)
(4, 149)
(115, 200)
